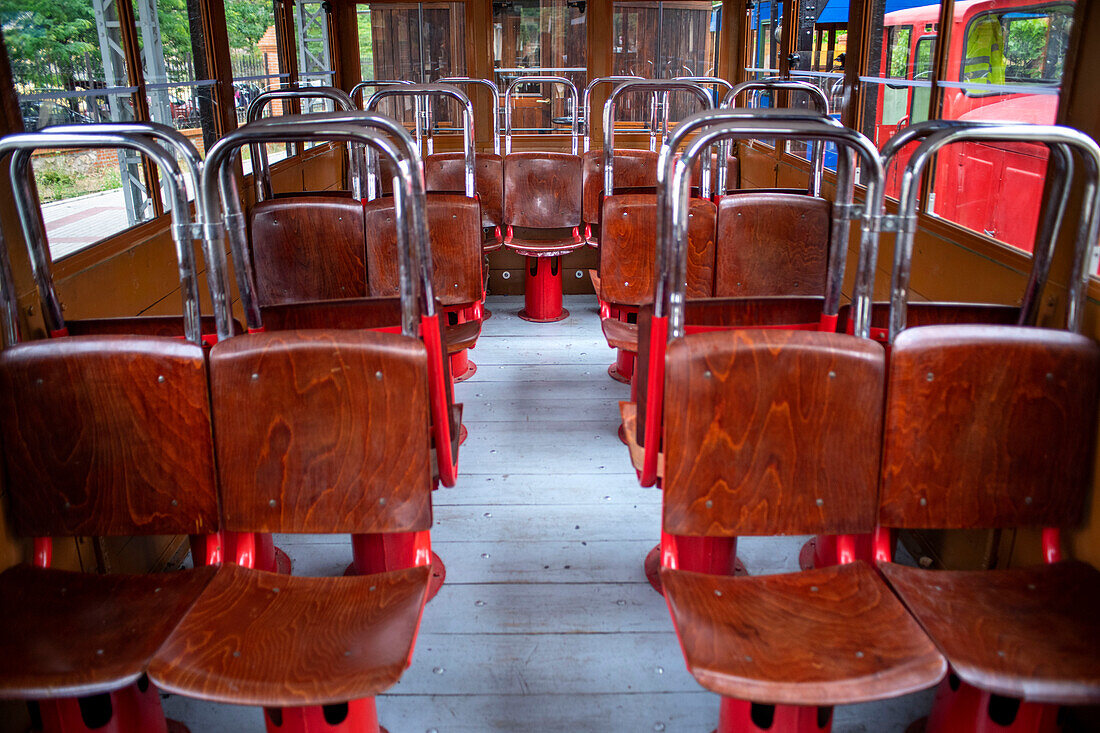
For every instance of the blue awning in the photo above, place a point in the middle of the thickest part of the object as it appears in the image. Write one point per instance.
(836, 11)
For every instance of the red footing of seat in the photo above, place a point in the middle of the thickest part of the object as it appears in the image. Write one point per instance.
(269, 557)
(356, 716)
(622, 435)
(129, 710)
(379, 553)
(486, 314)
(623, 368)
(463, 433)
(821, 551)
(741, 716)
(461, 366)
(542, 294)
(962, 707)
(715, 555)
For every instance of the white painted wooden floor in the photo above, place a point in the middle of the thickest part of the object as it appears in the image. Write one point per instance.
(546, 622)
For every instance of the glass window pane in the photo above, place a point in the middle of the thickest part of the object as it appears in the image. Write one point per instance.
(1005, 63)
(545, 37)
(765, 23)
(418, 42)
(663, 40)
(312, 42)
(820, 47)
(69, 68)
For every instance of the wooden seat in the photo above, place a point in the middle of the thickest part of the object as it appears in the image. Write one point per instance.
(351, 638)
(322, 431)
(955, 458)
(620, 334)
(75, 634)
(754, 638)
(1029, 633)
(635, 172)
(445, 173)
(924, 313)
(102, 436)
(308, 248)
(771, 244)
(779, 432)
(542, 218)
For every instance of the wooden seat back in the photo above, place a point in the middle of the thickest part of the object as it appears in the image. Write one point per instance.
(454, 228)
(988, 427)
(107, 435)
(772, 432)
(635, 172)
(542, 190)
(445, 173)
(322, 431)
(628, 249)
(733, 174)
(771, 244)
(308, 248)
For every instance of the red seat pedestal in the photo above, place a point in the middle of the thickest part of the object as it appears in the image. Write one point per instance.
(742, 716)
(542, 294)
(461, 366)
(713, 555)
(133, 709)
(380, 553)
(623, 368)
(962, 707)
(356, 716)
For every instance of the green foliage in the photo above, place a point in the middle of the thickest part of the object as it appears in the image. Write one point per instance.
(39, 32)
(1025, 44)
(247, 21)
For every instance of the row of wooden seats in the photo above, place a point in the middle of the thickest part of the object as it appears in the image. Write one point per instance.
(313, 431)
(795, 432)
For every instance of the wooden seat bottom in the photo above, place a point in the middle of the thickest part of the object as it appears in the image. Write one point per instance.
(264, 639)
(830, 636)
(620, 334)
(629, 433)
(461, 336)
(68, 634)
(544, 247)
(1031, 633)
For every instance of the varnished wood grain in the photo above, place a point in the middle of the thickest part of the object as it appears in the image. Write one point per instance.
(169, 326)
(771, 244)
(989, 426)
(725, 313)
(1031, 633)
(454, 228)
(322, 431)
(635, 170)
(628, 248)
(258, 638)
(620, 334)
(446, 173)
(107, 435)
(733, 175)
(934, 314)
(542, 190)
(830, 636)
(772, 432)
(308, 248)
(461, 336)
(344, 313)
(68, 633)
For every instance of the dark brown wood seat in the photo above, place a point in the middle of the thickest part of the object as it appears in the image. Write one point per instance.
(771, 244)
(542, 191)
(461, 335)
(994, 427)
(620, 334)
(102, 436)
(923, 313)
(257, 638)
(753, 638)
(322, 431)
(308, 248)
(445, 173)
(71, 634)
(779, 432)
(1031, 633)
(635, 172)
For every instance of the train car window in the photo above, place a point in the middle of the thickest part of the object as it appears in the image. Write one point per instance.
(312, 43)
(819, 52)
(419, 42)
(663, 40)
(178, 84)
(545, 37)
(1005, 62)
(765, 26)
(256, 63)
(70, 67)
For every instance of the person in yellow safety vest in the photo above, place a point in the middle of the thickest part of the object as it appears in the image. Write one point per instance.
(985, 59)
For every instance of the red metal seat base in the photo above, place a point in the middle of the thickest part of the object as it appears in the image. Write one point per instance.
(439, 570)
(623, 368)
(962, 707)
(653, 563)
(542, 292)
(461, 366)
(742, 716)
(361, 717)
